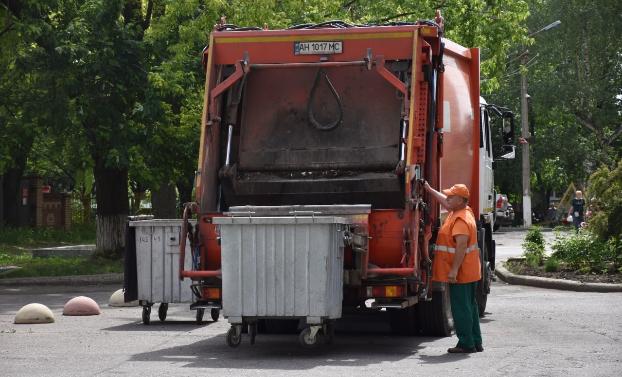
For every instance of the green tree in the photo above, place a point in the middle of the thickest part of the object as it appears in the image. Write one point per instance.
(577, 67)
(31, 99)
(575, 105)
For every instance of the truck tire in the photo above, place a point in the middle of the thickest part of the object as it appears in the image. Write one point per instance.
(483, 286)
(483, 289)
(404, 321)
(434, 317)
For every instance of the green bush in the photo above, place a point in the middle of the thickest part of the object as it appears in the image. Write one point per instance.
(533, 247)
(533, 253)
(563, 228)
(604, 188)
(535, 235)
(551, 265)
(586, 252)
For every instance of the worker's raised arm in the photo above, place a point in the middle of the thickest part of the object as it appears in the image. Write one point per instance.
(439, 196)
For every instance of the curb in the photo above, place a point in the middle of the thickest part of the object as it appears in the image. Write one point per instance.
(540, 282)
(65, 280)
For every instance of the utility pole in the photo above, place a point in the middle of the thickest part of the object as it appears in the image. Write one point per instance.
(524, 111)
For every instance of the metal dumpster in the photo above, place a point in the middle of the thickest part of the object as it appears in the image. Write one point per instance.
(282, 267)
(157, 266)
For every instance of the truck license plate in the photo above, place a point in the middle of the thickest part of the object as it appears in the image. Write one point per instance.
(318, 48)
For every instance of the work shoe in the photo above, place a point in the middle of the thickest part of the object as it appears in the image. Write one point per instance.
(479, 348)
(461, 350)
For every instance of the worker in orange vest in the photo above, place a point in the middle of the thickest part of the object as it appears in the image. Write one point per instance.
(457, 262)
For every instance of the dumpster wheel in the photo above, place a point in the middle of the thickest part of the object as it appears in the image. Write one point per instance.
(199, 316)
(215, 313)
(234, 336)
(309, 337)
(162, 310)
(146, 314)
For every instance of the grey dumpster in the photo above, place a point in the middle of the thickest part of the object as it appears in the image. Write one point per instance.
(157, 265)
(281, 267)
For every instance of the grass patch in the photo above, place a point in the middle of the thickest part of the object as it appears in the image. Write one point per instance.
(15, 245)
(556, 269)
(38, 237)
(36, 267)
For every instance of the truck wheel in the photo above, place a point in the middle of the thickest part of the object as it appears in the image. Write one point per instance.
(162, 310)
(434, 317)
(483, 286)
(329, 332)
(483, 289)
(404, 321)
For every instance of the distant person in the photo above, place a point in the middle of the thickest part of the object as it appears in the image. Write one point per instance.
(456, 261)
(576, 209)
(551, 214)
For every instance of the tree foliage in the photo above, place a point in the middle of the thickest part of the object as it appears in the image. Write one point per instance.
(605, 187)
(575, 88)
(114, 88)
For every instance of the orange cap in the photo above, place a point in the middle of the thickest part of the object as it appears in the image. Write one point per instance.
(458, 189)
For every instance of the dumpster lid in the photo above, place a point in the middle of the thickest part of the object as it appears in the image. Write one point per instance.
(280, 220)
(160, 222)
(300, 210)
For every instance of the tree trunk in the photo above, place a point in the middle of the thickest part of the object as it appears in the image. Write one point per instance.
(164, 202)
(11, 196)
(112, 209)
(185, 188)
(110, 235)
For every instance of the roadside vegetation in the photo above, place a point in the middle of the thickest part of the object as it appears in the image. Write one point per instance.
(594, 252)
(16, 245)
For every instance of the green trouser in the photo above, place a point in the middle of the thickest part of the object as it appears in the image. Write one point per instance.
(466, 314)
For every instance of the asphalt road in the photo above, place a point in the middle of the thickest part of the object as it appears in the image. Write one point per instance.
(527, 332)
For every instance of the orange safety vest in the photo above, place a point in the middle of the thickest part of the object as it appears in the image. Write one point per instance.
(445, 248)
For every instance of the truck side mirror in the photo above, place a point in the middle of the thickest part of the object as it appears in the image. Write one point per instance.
(508, 153)
(508, 128)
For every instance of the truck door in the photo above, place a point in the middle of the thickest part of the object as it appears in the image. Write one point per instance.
(486, 177)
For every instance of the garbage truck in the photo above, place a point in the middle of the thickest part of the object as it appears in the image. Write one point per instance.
(309, 203)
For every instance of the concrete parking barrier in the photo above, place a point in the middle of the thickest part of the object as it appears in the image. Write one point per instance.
(118, 299)
(34, 313)
(81, 305)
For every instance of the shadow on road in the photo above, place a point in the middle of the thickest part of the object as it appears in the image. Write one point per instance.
(358, 343)
(172, 325)
(282, 352)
